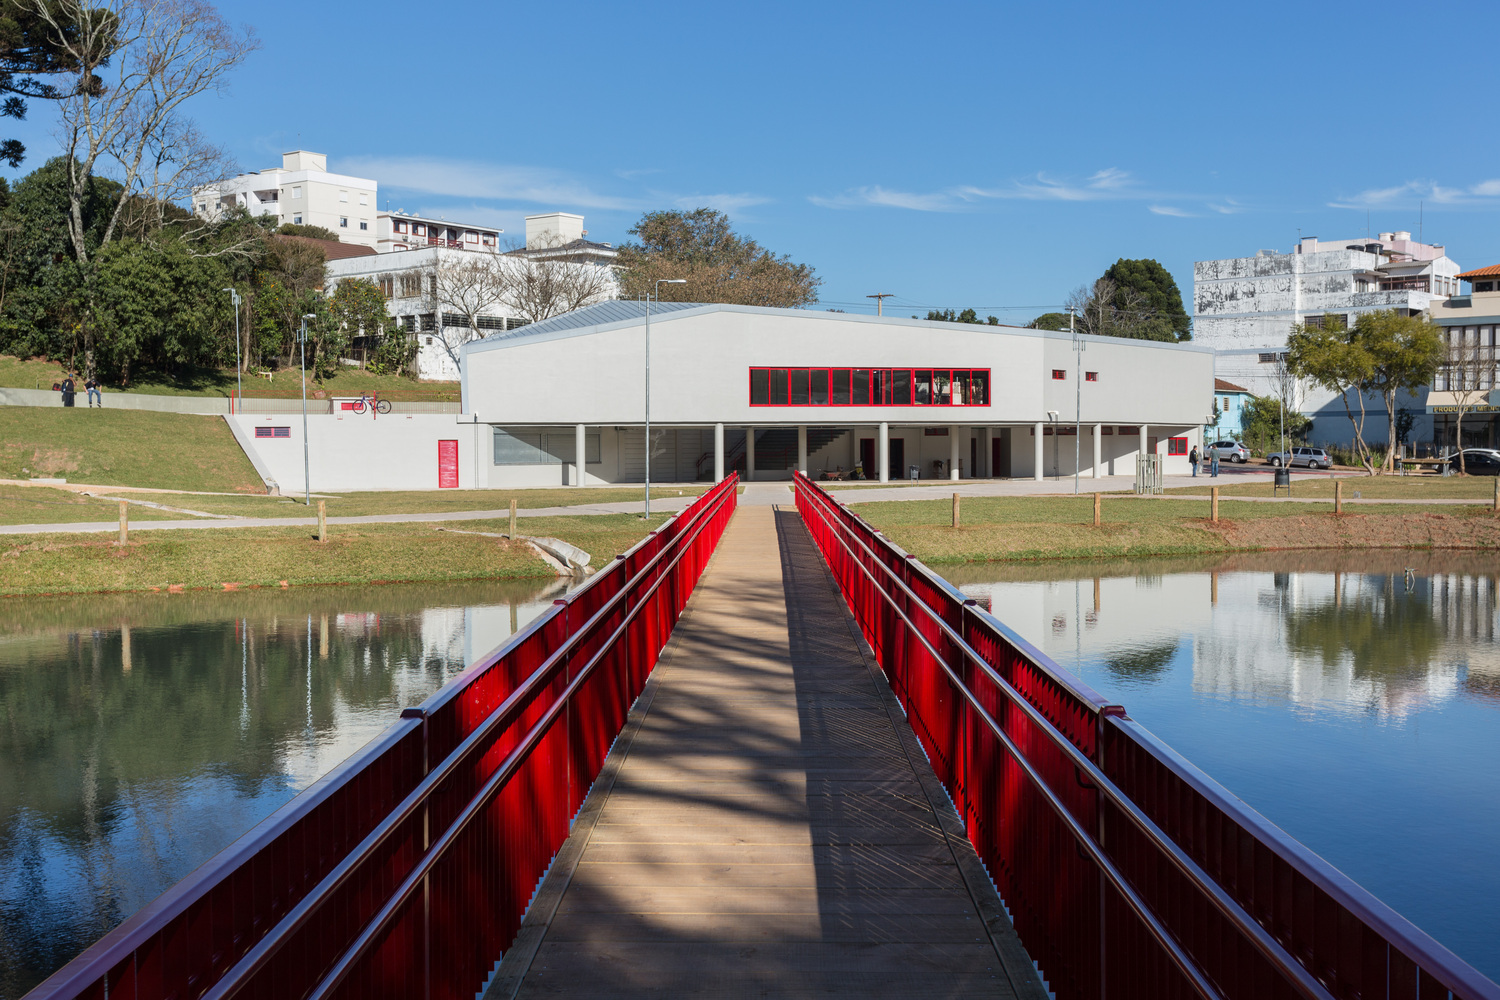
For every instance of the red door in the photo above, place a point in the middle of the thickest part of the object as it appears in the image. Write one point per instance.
(448, 465)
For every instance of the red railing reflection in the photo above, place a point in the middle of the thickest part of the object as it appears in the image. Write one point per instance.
(407, 870)
(1128, 872)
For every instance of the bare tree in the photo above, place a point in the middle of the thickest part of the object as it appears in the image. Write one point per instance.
(1468, 372)
(1106, 309)
(544, 284)
(472, 284)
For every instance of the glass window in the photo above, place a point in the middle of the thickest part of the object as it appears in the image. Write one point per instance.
(518, 448)
(860, 393)
(820, 387)
(923, 381)
(364, 225)
(760, 392)
(1177, 446)
(778, 386)
(839, 391)
(979, 388)
(960, 388)
(343, 222)
(1091, 376)
(297, 219)
(799, 387)
(942, 392)
(880, 386)
(1059, 374)
(900, 394)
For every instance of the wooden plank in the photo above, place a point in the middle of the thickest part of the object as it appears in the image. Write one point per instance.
(766, 829)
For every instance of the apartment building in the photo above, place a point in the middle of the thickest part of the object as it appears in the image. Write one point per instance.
(1469, 382)
(302, 192)
(396, 231)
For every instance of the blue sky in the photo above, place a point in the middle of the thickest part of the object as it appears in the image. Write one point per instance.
(986, 155)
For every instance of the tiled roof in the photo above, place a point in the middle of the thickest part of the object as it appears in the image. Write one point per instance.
(1222, 386)
(333, 249)
(1483, 272)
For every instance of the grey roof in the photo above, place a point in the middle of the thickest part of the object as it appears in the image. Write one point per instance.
(598, 314)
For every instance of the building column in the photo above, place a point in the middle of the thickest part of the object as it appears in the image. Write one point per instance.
(1098, 448)
(718, 453)
(1036, 471)
(953, 453)
(802, 449)
(749, 454)
(1143, 439)
(580, 456)
(885, 453)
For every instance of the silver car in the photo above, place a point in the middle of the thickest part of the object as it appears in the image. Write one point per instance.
(1313, 458)
(1231, 451)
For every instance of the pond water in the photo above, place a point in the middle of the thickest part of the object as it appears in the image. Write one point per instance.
(140, 735)
(1355, 702)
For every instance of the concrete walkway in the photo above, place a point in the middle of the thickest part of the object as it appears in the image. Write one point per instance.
(766, 824)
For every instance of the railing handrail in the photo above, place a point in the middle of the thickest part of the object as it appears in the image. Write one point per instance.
(136, 932)
(1268, 946)
(272, 941)
(1433, 957)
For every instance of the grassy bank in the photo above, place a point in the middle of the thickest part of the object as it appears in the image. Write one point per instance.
(33, 373)
(171, 451)
(263, 557)
(1478, 488)
(1030, 528)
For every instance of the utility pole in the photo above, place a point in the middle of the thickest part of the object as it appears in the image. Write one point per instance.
(880, 301)
(1078, 347)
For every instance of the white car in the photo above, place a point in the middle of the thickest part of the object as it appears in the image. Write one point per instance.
(1313, 458)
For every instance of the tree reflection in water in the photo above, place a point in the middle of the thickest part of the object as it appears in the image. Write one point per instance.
(1385, 632)
(141, 735)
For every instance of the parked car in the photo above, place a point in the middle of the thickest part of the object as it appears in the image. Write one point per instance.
(1477, 461)
(1313, 458)
(1231, 451)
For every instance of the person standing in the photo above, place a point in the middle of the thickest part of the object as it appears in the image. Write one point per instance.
(1193, 460)
(1213, 463)
(92, 385)
(69, 390)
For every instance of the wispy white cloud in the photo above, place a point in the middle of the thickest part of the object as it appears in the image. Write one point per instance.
(1109, 184)
(492, 182)
(881, 197)
(729, 204)
(1176, 213)
(1431, 192)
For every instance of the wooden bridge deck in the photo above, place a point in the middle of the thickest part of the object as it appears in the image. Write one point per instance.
(767, 824)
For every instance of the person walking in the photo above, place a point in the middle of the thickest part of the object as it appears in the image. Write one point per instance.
(1213, 463)
(1193, 460)
(69, 390)
(92, 385)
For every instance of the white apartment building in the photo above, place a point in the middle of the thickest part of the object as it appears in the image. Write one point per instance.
(302, 192)
(1245, 307)
(399, 231)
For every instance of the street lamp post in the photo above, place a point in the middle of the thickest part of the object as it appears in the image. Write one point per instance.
(1078, 349)
(306, 460)
(657, 289)
(239, 385)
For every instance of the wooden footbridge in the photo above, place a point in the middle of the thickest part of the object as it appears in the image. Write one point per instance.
(767, 754)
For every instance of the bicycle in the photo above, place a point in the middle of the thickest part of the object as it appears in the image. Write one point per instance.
(379, 405)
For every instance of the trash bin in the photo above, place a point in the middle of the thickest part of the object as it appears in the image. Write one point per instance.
(1283, 480)
(912, 472)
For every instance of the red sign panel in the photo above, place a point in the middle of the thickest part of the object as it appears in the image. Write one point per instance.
(448, 465)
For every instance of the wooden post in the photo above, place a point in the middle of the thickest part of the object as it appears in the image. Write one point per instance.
(955, 510)
(1213, 510)
(1098, 501)
(1096, 591)
(1213, 587)
(124, 522)
(1497, 494)
(512, 520)
(322, 520)
(1338, 496)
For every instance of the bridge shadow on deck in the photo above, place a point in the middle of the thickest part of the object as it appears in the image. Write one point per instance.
(766, 825)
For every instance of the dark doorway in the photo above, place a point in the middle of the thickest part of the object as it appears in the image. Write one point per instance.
(898, 458)
(1000, 455)
(973, 458)
(867, 458)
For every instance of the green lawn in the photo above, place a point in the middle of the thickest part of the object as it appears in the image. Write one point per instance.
(46, 505)
(170, 451)
(1369, 487)
(17, 373)
(1055, 528)
(263, 557)
(413, 501)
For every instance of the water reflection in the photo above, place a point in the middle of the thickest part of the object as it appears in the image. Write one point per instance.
(1352, 699)
(141, 735)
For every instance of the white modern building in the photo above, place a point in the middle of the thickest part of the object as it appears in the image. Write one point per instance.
(400, 231)
(302, 192)
(1470, 382)
(765, 391)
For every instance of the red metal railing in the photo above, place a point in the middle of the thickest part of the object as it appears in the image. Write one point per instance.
(406, 871)
(1128, 872)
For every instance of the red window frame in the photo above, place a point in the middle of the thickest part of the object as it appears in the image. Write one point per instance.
(1177, 446)
(1059, 374)
(273, 432)
(881, 385)
(1091, 376)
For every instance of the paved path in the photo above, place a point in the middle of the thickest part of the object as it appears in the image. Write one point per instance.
(667, 504)
(767, 824)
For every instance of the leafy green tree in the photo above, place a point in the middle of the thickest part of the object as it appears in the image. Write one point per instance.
(717, 264)
(357, 309)
(311, 232)
(1383, 354)
(1262, 420)
(1147, 282)
(967, 316)
(1050, 321)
